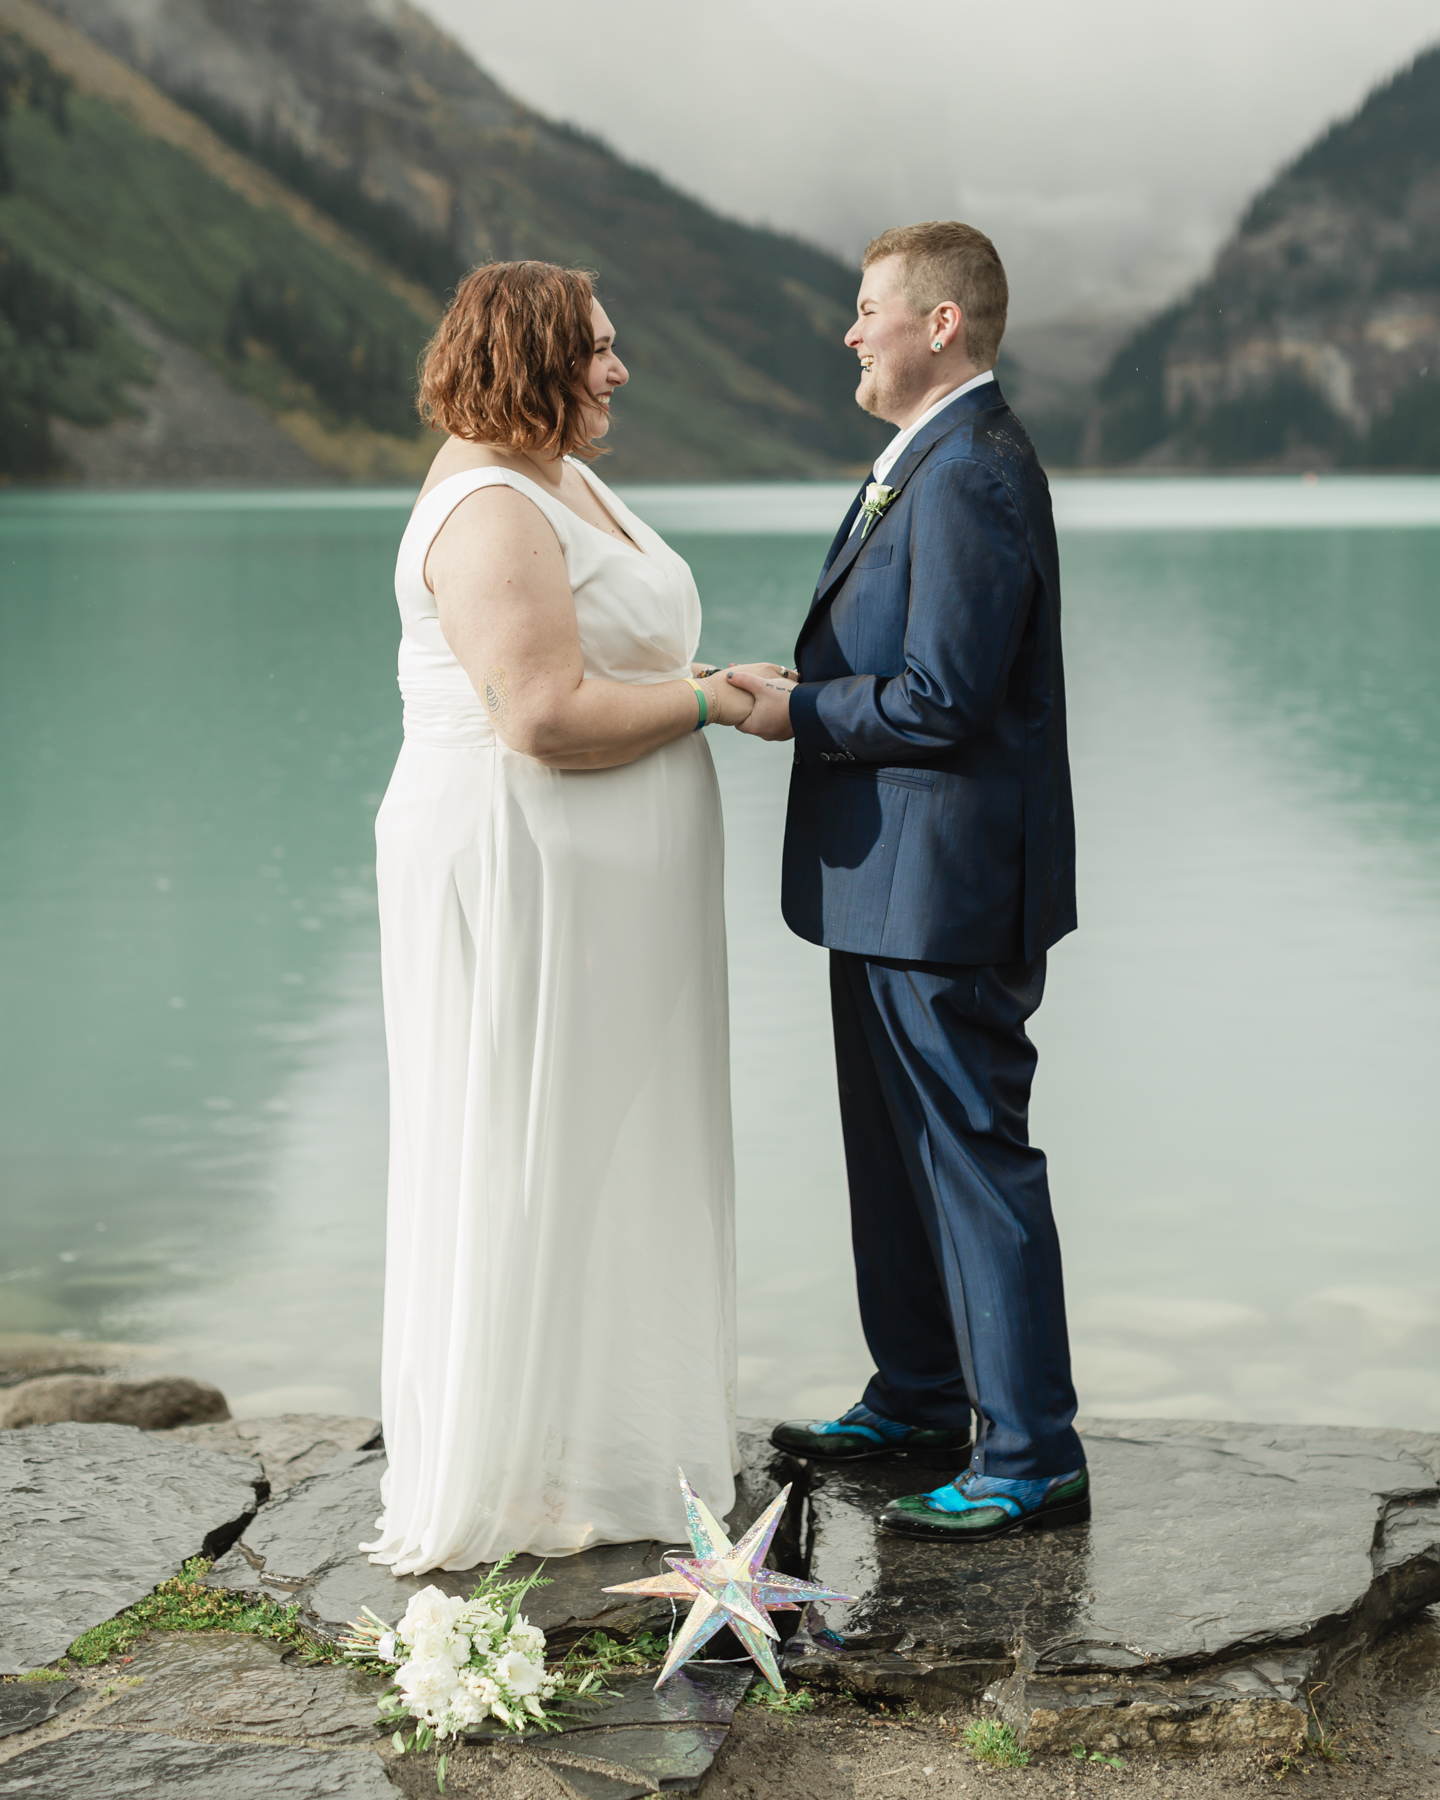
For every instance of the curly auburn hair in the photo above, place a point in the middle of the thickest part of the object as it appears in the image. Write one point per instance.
(509, 361)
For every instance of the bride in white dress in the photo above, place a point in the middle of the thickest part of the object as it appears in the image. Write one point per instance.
(559, 1317)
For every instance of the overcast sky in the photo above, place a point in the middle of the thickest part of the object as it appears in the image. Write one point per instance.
(1106, 145)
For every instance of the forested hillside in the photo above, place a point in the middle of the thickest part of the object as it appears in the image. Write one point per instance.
(322, 341)
(1316, 340)
(290, 189)
(62, 355)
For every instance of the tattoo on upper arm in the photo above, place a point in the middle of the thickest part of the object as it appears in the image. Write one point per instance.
(495, 692)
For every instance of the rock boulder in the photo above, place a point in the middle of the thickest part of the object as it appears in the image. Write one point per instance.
(155, 1405)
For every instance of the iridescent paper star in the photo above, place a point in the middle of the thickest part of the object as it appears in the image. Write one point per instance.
(726, 1585)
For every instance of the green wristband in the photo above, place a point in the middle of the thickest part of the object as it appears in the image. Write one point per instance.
(703, 704)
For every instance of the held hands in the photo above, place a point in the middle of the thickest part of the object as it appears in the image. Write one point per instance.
(771, 688)
(724, 705)
(732, 703)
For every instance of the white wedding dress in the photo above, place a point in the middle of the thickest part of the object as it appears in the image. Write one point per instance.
(559, 1313)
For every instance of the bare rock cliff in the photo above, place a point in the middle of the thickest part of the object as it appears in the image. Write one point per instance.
(1316, 339)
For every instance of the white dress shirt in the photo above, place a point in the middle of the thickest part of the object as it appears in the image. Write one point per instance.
(900, 443)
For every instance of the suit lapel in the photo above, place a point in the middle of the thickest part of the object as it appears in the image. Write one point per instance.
(842, 535)
(837, 564)
(835, 569)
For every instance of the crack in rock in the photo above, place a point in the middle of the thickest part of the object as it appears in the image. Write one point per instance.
(93, 1517)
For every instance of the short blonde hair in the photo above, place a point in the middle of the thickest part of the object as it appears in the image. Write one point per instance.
(945, 260)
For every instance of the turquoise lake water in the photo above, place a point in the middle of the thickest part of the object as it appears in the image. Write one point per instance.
(198, 715)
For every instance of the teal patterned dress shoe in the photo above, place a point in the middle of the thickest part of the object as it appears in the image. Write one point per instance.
(975, 1507)
(860, 1434)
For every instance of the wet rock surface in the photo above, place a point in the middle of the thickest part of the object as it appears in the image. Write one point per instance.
(290, 1446)
(23, 1704)
(154, 1405)
(208, 1691)
(188, 1684)
(143, 1765)
(303, 1548)
(1225, 1567)
(646, 1738)
(92, 1517)
(642, 1759)
(1228, 1573)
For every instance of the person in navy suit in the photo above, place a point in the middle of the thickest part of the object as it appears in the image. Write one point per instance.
(930, 846)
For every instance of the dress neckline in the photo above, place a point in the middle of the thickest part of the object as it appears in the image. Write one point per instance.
(593, 482)
(529, 480)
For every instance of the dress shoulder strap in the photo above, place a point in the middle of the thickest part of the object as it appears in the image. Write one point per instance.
(436, 507)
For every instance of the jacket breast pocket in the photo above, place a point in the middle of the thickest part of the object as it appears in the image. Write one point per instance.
(874, 557)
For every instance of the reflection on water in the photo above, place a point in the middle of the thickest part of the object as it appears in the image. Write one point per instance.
(197, 718)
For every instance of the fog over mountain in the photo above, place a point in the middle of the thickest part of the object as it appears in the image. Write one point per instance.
(1108, 147)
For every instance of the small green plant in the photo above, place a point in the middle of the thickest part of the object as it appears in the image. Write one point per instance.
(646, 1650)
(991, 1742)
(786, 1705)
(1081, 1754)
(183, 1604)
(1324, 1740)
(44, 1675)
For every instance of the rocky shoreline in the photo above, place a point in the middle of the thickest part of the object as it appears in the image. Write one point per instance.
(1231, 1573)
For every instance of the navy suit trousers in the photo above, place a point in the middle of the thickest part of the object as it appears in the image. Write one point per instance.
(956, 1253)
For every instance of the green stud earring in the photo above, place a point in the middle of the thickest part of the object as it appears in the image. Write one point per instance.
(937, 345)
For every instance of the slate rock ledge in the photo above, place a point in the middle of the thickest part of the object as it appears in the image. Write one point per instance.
(1228, 1570)
(92, 1517)
(303, 1549)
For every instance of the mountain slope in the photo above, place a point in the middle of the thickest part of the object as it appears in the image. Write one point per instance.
(1316, 339)
(365, 110)
(112, 191)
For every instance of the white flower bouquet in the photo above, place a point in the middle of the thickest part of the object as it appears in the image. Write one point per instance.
(460, 1663)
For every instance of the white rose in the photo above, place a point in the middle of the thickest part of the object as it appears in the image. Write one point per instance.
(430, 1610)
(428, 1607)
(437, 1643)
(518, 1673)
(426, 1689)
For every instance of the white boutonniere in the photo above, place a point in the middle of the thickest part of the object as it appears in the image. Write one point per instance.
(877, 498)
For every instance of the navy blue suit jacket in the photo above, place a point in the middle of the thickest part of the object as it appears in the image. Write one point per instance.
(930, 812)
